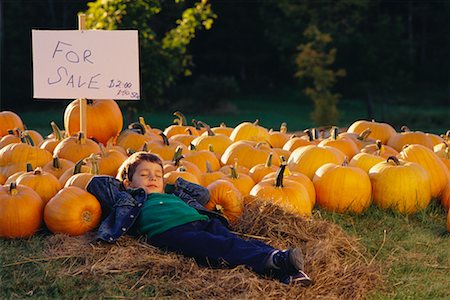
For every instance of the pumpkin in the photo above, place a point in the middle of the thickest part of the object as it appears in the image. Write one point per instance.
(75, 148)
(257, 172)
(35, 136)
(243, 182)
(287, 194)
(222, 129)
(346, 145)
(361, 140)
(20, 211)
(82, 179)
(177, 161)
(13, 177)
(365, 161)
(308, 159)
(225, 199)
(164, 148)
(400, 185)
(172, 176)
(58, 166)
(295, 142)
(438, 172)
(200, 157)
(103, 119)
(14, 157)
(249, 132)
(109, 161)
(12, 137)
(219, 142)
(380, 150)
(184, 138)
(49, 144)
(9, 120)
(277, 139)
(379, 131)
(72, 211)
(43, 183)
(248, 154)
(135, 137)
(179, 127)
(408, 137)
(79, 167)
(206, 178)
(342, 188)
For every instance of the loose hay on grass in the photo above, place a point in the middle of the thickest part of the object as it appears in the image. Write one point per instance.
(336, 261)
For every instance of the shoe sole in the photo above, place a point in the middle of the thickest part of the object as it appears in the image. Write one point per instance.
(303, 279)
(296, 258)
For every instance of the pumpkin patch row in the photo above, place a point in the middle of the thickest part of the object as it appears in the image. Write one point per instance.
(337, 171)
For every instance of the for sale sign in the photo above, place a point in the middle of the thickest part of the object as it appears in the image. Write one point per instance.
(93, 64)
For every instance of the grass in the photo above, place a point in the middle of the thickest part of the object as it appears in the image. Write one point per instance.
(414, 251)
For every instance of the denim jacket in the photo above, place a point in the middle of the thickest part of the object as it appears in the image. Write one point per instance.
(120, 206)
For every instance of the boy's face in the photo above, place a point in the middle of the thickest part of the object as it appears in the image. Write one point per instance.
(148, 176)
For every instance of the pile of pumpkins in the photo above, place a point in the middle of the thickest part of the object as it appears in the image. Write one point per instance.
(44, 178)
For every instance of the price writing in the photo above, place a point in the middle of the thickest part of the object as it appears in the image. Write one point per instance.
(123, 88)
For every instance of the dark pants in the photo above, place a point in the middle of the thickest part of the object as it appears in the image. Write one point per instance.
(211, 243)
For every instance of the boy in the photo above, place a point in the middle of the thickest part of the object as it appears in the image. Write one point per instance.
(170, 223)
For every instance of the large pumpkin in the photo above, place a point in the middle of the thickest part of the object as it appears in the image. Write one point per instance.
(72, 211)
(76, 147)
(379, 131)
(20, 211)
(400, 185)
(438, 172)
(288, 194)
(341, 188)
(9, 120)
(103, 119)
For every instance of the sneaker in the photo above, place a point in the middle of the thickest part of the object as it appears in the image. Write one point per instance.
(290, 262)
(299, 279)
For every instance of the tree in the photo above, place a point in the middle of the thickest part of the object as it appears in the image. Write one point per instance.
(163, 38)
(313, 62)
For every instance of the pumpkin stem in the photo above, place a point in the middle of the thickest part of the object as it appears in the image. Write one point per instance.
(283, 127)
(310, 134)
(345, 162)
(56, 163)
(394, 159)
(280, 175)
(211, 148)
(177, 155)
(137, 127)
(234, 174)
(56, 131)
(93, 160)
(269, 160)
(145, 147)
(208, 128)
(38, 171)
(180, 120)
(26, 138)
(364, 135)
(165, 139)
(13, 189)
(219, 208)
(405, 128)
(334, 132)
(89, 101)
(192, 147)
(208, 167)
(77, 167)
(81, 138)
(256, 122)
(130, 151)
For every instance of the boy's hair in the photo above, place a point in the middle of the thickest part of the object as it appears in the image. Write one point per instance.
(128, 167)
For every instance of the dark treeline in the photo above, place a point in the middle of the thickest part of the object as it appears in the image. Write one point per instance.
(387, 47)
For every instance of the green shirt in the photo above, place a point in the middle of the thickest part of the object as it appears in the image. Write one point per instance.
(162, 212)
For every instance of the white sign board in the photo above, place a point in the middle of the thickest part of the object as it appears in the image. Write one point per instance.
(92, 64)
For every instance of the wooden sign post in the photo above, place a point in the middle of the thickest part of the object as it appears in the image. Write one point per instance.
(83, 101)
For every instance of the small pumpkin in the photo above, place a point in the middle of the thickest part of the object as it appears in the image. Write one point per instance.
(250, 132)
(43, 183)
(9, 120)
(179, 126)
(76, 147)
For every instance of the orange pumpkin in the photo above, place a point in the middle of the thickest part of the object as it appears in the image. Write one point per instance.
(58, 166)
(75, 148)
(365, 161)
(379, 131)
(342, 189)
(72, 211)
(82, 179)
(248, 154)
(103, 119)
(295, 142)
(206, 178)
(380, 150)
(109, 161)
(219, 142)
(43, 183)
(200, 157)
(277, 139)
(9, 120)
(400, 185)
(438, 172)
(20, 211)
(243, 182)
(180, 126)
(249, 132)
(49, 144)
(258, 171)
(288, 194)
(407, 137)
(308, 159)
(12, 137)
(172, 176)
(164, 148)
(135, 137)
(346, 145)
(222, 129)
(225, 199)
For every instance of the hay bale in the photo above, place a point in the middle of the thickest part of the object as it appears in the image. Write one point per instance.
(336, 261)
